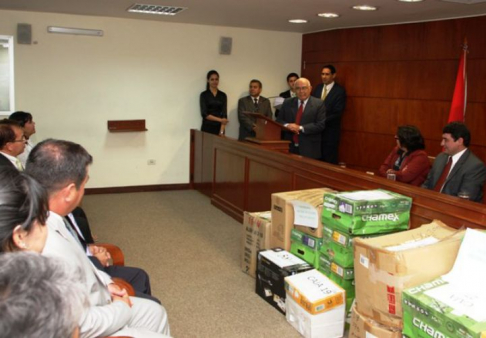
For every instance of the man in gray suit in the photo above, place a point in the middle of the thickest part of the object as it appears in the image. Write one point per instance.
(305, 118)
(62, 168)
(254, 103)
(457, 170)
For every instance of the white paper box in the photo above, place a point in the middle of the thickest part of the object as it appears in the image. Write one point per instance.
(329, 324)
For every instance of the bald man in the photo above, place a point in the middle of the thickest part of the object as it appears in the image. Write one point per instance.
(305, 117)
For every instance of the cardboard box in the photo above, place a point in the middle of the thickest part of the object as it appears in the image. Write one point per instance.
(283, 215)
(273, 266)
(306, 247)
(425, 316)
(314, 292)
(364, 327)
(256, 237)
(453, 305)
(324, 325)
(386, 265)
(367, 212)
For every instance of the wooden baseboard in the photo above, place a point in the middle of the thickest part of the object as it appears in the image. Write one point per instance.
(136, 188)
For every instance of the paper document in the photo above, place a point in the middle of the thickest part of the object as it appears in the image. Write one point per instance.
(367, 195)
(465, 291)
(278, 102)
(413, 244)
(305, 214)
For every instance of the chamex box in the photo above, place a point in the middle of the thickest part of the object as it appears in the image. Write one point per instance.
(454, 305)
(272, 267)
(367, 212)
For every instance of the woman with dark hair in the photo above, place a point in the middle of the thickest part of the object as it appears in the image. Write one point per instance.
(213, 104)
(23, 212)
(26, 121)
(408, 161)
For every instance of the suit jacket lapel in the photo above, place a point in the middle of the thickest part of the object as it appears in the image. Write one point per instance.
(458, 166)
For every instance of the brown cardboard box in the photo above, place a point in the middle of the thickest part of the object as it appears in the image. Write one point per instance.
(381, 274)
(364, 327)
(283, 214)
(256, 236)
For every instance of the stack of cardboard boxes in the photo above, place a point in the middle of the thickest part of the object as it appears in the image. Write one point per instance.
(347, 216)
(356, 242)
(387, 265)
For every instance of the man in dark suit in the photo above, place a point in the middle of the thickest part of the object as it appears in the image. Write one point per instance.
(305, 118)
(12, 144)
(456, 170)
(291, 78)
(253, 103)
(334, 97)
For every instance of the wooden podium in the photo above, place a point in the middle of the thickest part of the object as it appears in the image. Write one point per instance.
(268, 133)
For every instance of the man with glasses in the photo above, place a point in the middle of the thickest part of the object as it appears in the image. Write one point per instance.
(12, 144)
(304, 116)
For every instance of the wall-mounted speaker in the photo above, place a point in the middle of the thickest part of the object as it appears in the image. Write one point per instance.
(225, 45)
(24, 33)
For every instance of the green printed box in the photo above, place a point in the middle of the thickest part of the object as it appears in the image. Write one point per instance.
(306, 247)
(425, 316)
(344, 277)
(341, 254)
(367, 212)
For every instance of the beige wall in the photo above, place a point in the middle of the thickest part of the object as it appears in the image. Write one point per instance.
(137, 70)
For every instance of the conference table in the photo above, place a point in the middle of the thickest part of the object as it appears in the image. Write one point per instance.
(240, 176)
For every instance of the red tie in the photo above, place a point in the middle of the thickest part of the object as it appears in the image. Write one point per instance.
(297, 120)
(443, 176)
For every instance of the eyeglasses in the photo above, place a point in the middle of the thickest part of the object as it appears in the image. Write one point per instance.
(301, 88)
(23, 139)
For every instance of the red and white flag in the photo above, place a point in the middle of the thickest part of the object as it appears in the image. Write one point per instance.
(459, 99)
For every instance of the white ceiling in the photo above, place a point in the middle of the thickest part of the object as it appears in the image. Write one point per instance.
(266, 14)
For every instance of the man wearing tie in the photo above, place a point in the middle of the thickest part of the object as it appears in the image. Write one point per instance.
(457, 170)
(254, 103)
(305, 118)
(12, 144)
(62, 167)
(334, 97)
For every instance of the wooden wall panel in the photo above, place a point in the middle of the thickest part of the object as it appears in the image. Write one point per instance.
(263, 180)
(400, 74)
(229, 179)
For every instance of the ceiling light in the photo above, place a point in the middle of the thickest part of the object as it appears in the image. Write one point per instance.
(298, 21)
(328, 15)
(365, 8)
(75, 31)
(155, 9)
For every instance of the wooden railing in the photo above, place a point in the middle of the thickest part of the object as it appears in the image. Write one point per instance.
(239, 177)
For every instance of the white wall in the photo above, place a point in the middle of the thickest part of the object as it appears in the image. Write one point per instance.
(137, 70)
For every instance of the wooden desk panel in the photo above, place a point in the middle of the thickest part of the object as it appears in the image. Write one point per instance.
(246, 184)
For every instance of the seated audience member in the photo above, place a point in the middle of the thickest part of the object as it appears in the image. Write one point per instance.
(23, 212)
(100, 257)
(62, 168)
(39, 297)
(408, 160)
(291, 78)
(253, 103)
(456, 170)
(12, 144)
(26, 121)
